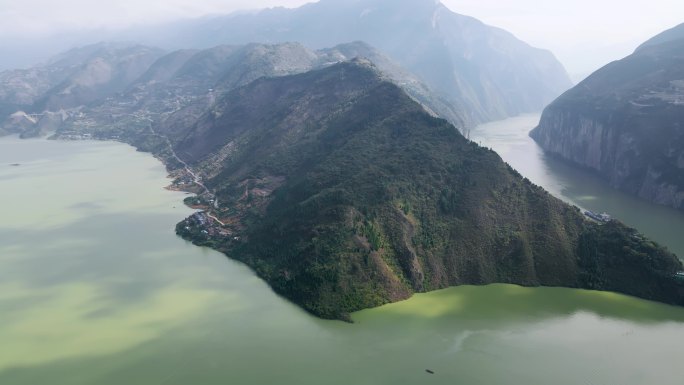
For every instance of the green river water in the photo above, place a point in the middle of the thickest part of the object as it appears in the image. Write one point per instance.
(95, 288)
(509, 138)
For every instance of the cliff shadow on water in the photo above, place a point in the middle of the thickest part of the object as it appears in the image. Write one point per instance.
(624, 122)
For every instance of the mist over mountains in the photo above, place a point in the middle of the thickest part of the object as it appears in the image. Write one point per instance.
(326, 148)
(625, 121)
(494, 74)
(128, 86)
(671, 34)
(486, 69)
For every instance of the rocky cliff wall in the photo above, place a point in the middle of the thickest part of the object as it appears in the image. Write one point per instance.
(604, 146)
(626, 122)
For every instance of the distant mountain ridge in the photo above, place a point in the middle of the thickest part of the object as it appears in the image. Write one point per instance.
(626, 122)
(154, 86)
(487, 69)
(105, 68)
(674, 33)
(69, 81)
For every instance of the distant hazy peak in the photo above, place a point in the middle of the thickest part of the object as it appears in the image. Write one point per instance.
(624, 122)
(78, 55)
(486, 69)
(671, 34)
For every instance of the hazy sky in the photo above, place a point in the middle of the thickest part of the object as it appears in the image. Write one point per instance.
(583, 34)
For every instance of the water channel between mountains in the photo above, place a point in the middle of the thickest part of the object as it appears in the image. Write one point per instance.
(95, 288)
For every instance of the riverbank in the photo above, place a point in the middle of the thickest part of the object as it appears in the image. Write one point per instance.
(504, 254)
(110, 294)
(510, 139)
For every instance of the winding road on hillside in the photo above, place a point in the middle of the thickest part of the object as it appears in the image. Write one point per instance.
(195, 178)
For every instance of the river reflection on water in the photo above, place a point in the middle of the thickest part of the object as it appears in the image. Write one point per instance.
(509, 138)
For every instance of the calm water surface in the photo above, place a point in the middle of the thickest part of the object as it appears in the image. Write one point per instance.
(510, 139)
(95, 288)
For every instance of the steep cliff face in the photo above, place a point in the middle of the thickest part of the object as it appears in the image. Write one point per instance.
(343, 193)
(626, 122)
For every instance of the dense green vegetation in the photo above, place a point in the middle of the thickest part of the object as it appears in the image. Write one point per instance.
(614, 257)
(346, 195)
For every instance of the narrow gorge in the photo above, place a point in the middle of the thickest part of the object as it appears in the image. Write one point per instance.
(626, 122)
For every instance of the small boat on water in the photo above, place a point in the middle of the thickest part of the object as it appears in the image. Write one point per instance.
(603, 217)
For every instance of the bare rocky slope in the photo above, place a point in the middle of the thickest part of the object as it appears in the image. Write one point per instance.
(92, 91)
(38, 100)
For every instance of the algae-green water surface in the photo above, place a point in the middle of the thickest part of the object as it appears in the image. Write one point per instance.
(95, 288)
